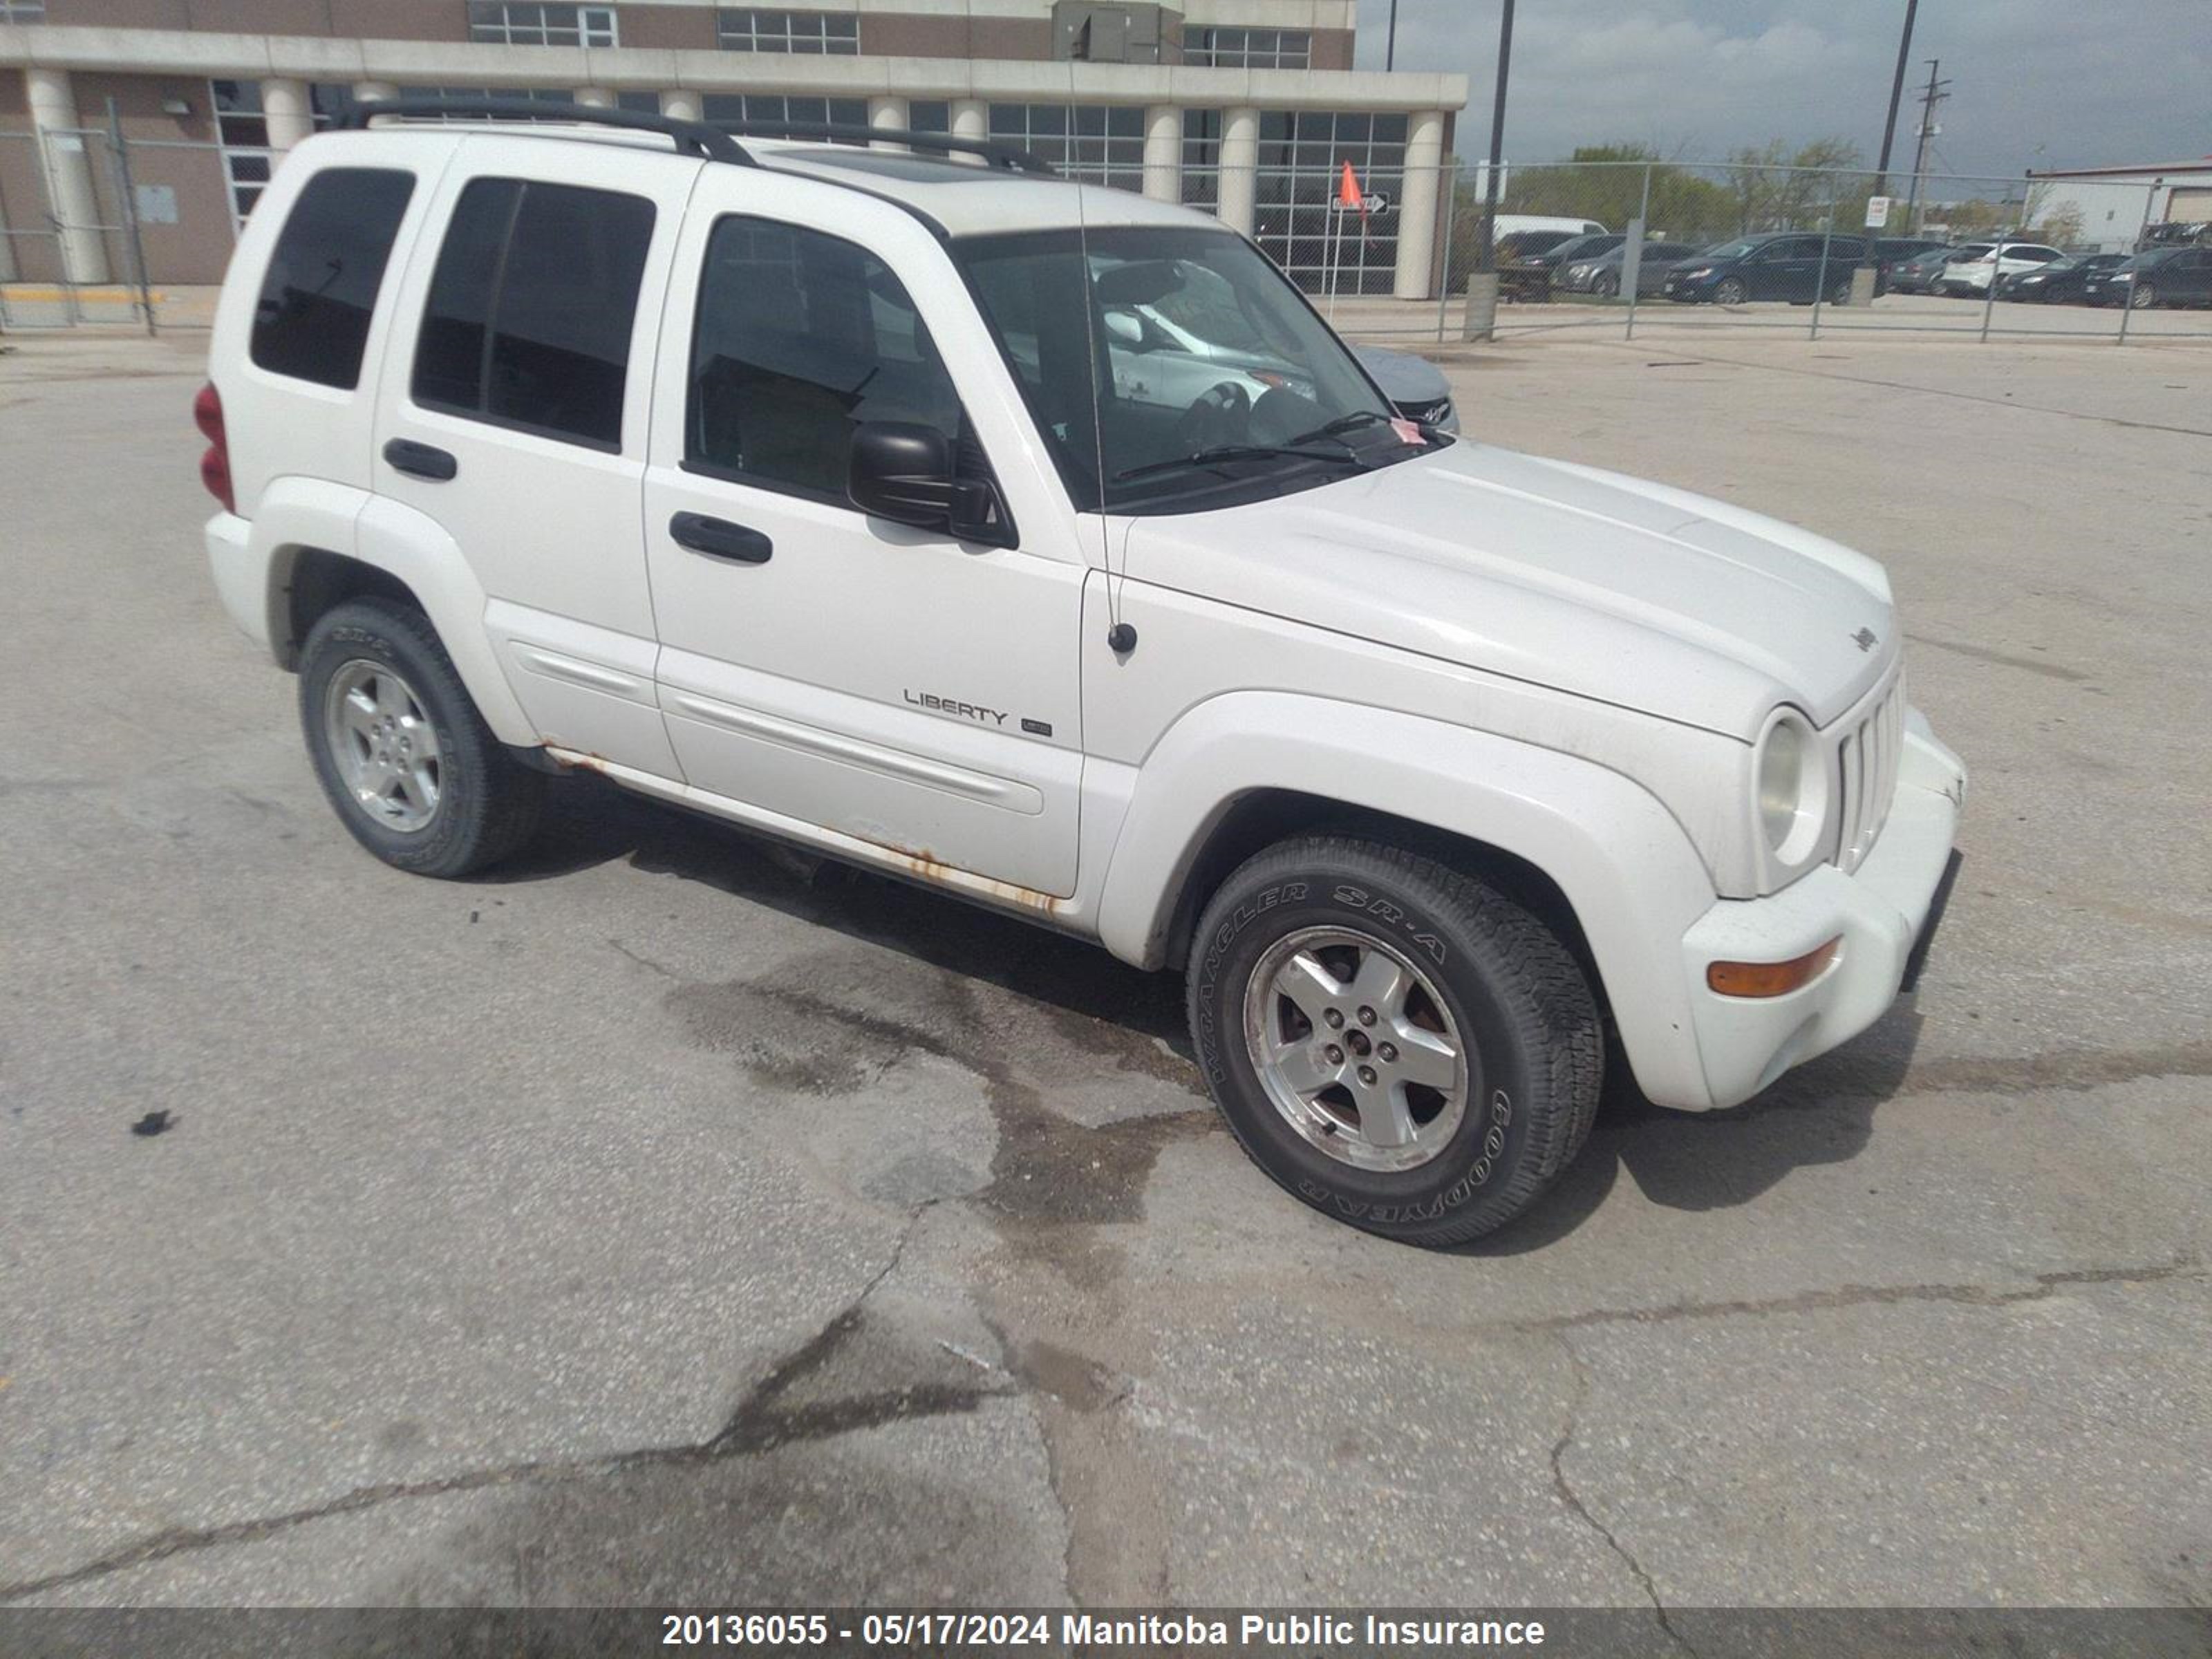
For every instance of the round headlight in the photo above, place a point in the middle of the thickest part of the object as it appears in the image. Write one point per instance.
(1781, 781)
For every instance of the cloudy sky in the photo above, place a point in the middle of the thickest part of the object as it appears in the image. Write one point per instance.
(2034, 82)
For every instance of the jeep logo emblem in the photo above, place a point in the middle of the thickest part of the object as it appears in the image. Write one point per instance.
(1864, 639)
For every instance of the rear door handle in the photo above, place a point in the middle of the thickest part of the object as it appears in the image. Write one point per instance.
(421, 460)
(718, 538)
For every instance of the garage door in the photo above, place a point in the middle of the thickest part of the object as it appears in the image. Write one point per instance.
(2189, 206)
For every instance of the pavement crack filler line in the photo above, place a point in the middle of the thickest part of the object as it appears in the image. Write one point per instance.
(1572, 1501)
(753, 1427)
(2046, 1285)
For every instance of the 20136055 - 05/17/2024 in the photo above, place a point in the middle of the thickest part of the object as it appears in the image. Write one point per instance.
(1068, 1629)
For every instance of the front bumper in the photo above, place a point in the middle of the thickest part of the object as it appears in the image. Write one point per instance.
(1878, 912)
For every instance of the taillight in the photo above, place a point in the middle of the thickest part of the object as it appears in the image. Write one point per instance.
(214, 465)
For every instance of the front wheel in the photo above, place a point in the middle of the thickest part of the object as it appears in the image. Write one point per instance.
(2144, 296)
(400, 750)
(1606, 287)
(1394, 1042)
(1730, 292)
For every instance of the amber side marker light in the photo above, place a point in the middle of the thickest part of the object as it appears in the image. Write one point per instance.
(1771, 979)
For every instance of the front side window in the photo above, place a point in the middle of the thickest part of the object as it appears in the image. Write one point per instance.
(526, 23)
(1216, 383)
(798, 339)
(312, 319)
(531, 307)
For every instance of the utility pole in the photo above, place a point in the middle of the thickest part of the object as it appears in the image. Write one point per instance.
(1487, 242)
(1391, 41)
(1863, 286)
(1934, 95)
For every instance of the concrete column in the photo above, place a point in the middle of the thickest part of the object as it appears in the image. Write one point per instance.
(681, 106)
(1416, 212)
(884, 111)
(1240, 168)
(1164, 152)
(971, 118)
(593, 97)
(289, 114)
(72, 201)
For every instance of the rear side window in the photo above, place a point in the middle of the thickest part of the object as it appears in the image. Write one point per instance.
(799, 339)
(528, 322)
(320, 291)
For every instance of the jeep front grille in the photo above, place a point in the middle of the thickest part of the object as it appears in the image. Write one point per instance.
(1867, 758)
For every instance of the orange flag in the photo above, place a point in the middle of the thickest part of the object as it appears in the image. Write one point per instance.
(1349, 194)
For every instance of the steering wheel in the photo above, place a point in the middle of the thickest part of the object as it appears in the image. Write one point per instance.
(1220, 415)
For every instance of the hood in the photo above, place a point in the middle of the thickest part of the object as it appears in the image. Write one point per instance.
(1591, 582)
(1404, 378)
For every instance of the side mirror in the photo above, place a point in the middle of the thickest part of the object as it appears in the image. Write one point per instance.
(904, 471)
(1124, 327)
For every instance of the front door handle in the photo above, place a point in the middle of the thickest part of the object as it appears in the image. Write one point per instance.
(718, 538)
(421, 460)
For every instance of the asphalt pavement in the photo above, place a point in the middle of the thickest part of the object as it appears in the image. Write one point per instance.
(658, 1220)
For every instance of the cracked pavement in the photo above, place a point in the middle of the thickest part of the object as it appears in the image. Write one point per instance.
(662, 1222)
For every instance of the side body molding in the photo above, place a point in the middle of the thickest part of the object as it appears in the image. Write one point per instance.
(1636, 883)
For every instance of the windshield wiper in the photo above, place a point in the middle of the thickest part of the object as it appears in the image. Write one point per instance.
(1343, 423)
(1240, 453)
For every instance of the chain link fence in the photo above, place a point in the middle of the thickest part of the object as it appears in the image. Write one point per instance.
(98, 225)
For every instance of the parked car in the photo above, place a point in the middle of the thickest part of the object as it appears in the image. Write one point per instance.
(1170, 351)
(2171, 275)
(1917, 274)
(1599, 274)
(1416, 387)
(1782, 264)
(784, 485)
(1969, 271)
(1530, 276)
(1521, 224)
(2060, 283)
(1527, 244)
(1889, 251)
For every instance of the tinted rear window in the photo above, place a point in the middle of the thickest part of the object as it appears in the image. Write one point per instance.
(320, 291)
(529, 317)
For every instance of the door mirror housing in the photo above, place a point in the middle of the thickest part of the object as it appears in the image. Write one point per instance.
(906, 472)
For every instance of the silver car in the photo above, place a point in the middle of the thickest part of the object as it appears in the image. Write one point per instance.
(1599, 274)
(1415, 387)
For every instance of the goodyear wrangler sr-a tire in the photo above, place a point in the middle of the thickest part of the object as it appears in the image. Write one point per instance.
(1394, 1042)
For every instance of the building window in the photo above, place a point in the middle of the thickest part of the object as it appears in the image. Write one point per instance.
(725, 108)
(242, 133)
(1223, 48)
(1097, 143)
(750, 29)
(1202, 158)
(23, 11)
(467, 95)
(512, 23)
(638, 103)
(1302, 157)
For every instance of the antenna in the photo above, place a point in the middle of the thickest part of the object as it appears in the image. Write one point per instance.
(1120, 636)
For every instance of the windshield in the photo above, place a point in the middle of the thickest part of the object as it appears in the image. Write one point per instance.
(1216, 383)
(1728, 251)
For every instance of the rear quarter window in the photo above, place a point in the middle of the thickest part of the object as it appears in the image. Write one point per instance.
(311, 321)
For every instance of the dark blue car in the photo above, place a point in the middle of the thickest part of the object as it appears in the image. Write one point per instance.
(1781, 264)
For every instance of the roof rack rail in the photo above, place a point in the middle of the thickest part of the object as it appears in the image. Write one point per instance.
(692, 137)
(1012, 157)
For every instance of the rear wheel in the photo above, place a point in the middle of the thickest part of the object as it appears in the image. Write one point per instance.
(1394, 1043)
(407, 762)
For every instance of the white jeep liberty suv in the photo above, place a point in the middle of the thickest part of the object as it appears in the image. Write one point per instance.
(859, 495)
